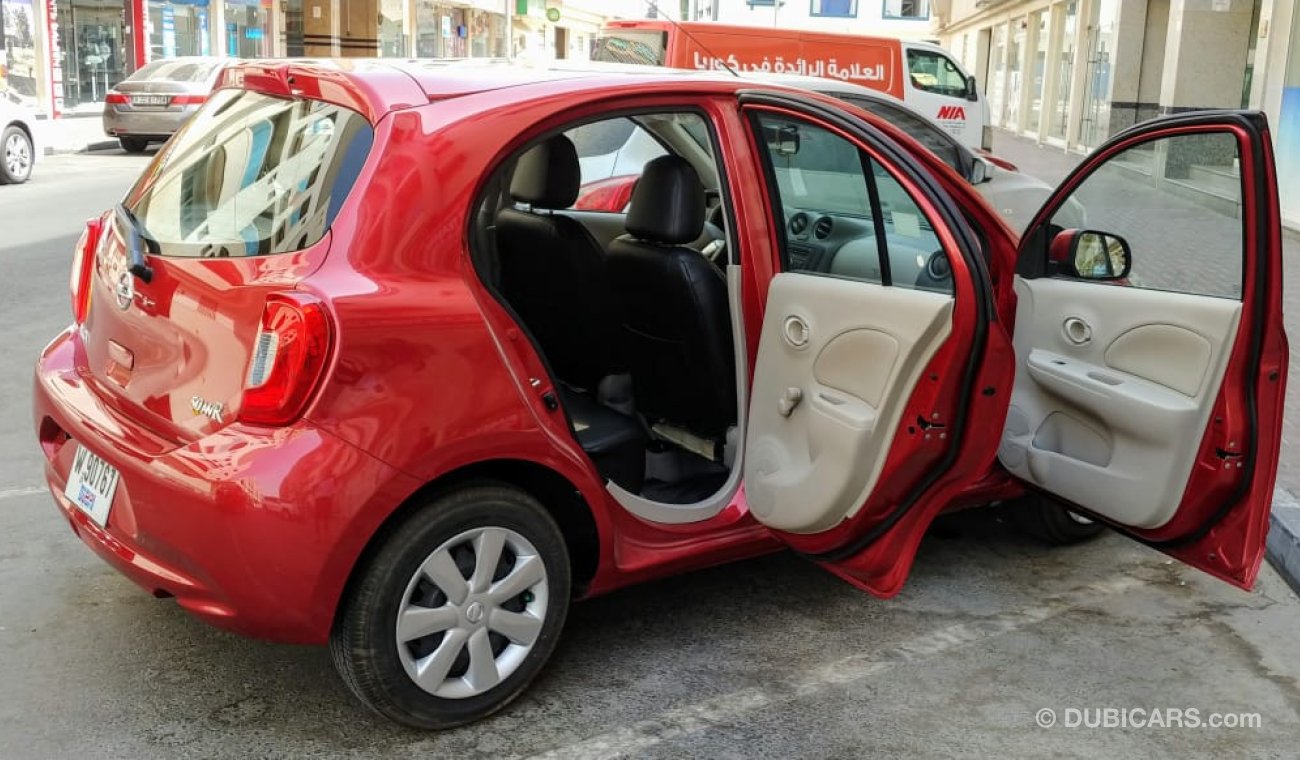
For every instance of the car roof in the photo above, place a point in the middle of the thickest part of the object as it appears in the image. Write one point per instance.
(383, 84)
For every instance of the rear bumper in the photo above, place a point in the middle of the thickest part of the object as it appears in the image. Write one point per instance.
(122, 120)
(252, 530)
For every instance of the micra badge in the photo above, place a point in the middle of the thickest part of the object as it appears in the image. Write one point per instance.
(210, 409)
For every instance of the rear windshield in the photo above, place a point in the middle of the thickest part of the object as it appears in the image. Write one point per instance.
(251, 175)
(175, 71)
(629, 46)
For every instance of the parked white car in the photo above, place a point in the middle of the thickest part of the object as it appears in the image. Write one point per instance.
(20, 141)
(1015, 196)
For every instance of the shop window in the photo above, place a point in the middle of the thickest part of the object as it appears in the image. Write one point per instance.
(907, 9)
(845, 8)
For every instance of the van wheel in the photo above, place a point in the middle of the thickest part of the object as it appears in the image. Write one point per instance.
(1052, 522)
(457, 610)
(133, 144)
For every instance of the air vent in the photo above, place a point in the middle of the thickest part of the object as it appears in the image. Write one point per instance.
(799, 256)
(823, 228)
(798, 224)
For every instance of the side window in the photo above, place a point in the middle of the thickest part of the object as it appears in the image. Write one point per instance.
(1172, 206)
(842, 214)
(613, 148)
(935, 72)
(927, 134)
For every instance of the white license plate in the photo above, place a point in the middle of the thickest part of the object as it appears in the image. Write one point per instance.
(91, 485)
(150, 100)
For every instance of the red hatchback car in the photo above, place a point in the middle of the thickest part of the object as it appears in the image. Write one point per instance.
(346, 366)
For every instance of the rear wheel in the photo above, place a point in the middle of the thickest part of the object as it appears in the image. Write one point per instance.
(16, 156)
(133, 144)
(457, 611)
(1052, 522)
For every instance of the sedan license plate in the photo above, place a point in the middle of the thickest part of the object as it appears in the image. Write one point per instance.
(150, 100)
(91, 485)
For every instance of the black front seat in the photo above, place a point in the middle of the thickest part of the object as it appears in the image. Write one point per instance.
(676, 321)
(552, 272)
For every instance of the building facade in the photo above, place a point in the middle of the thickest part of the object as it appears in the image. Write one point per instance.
(64, 55)
(1071, 73)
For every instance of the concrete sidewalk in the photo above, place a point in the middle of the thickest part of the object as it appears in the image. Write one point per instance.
(1051, 165)
(75, 134)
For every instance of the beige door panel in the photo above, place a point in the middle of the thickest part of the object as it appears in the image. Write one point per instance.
(1113, 392)
(837, 361)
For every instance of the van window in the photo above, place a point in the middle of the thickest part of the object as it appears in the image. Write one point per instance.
(935, 72)
(251, 175)
(631, 46)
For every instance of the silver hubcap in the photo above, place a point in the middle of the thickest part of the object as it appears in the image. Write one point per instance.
(18, 156)
(472, 612)
(1078, 517)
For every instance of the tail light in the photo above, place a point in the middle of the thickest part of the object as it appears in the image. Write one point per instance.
(115, 98)
(189, 100)
(292, 347)
(83, 265)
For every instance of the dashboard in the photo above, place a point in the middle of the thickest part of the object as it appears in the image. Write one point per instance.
(845, 245)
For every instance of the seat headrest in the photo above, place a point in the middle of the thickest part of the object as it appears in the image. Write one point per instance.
(667, 203)
(547, 175)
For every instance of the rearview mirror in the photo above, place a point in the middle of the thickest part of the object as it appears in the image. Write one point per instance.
(972, 89)
(1093, 255)
(783, 140)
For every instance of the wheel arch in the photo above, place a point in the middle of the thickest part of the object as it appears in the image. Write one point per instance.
(558, 495)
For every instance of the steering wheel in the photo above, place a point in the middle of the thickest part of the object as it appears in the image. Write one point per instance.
(715, 250)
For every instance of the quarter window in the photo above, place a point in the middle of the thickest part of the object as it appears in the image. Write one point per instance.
(923, 132)
(841, 213)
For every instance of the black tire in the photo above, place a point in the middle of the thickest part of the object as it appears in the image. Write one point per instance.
(133, 144)
(363, 643)
(14, 136)
(1051, 522)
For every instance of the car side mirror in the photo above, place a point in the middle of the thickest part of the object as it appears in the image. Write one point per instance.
(981, 171)
(972, 89)
(1092, 255)
(783, 140)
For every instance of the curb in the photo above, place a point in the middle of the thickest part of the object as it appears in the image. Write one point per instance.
(1284, 537)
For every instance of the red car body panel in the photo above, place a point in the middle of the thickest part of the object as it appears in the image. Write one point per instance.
(258, 529)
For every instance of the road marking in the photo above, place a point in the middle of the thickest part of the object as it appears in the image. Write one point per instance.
(13, 493)
(727, 708)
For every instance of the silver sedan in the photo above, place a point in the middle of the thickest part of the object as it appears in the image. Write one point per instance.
(151, 104)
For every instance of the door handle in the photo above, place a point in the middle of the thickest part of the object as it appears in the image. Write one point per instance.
(1077, 331)
(789, 400)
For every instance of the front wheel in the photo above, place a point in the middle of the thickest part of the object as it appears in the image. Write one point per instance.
(1052, 522)
(457, 610)
(133, 144)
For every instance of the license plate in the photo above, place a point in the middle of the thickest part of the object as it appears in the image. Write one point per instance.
(91, 485)
(150, 100)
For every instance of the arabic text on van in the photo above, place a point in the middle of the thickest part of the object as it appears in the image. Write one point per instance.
(818, 68)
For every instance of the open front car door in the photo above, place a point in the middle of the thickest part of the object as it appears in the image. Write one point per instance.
(1151, 356)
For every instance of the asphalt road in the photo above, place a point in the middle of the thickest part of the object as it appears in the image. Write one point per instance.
(767, 658)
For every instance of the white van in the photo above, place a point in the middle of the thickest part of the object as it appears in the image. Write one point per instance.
(922, 75)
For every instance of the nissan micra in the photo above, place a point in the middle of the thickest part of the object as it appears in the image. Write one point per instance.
(347, 367)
